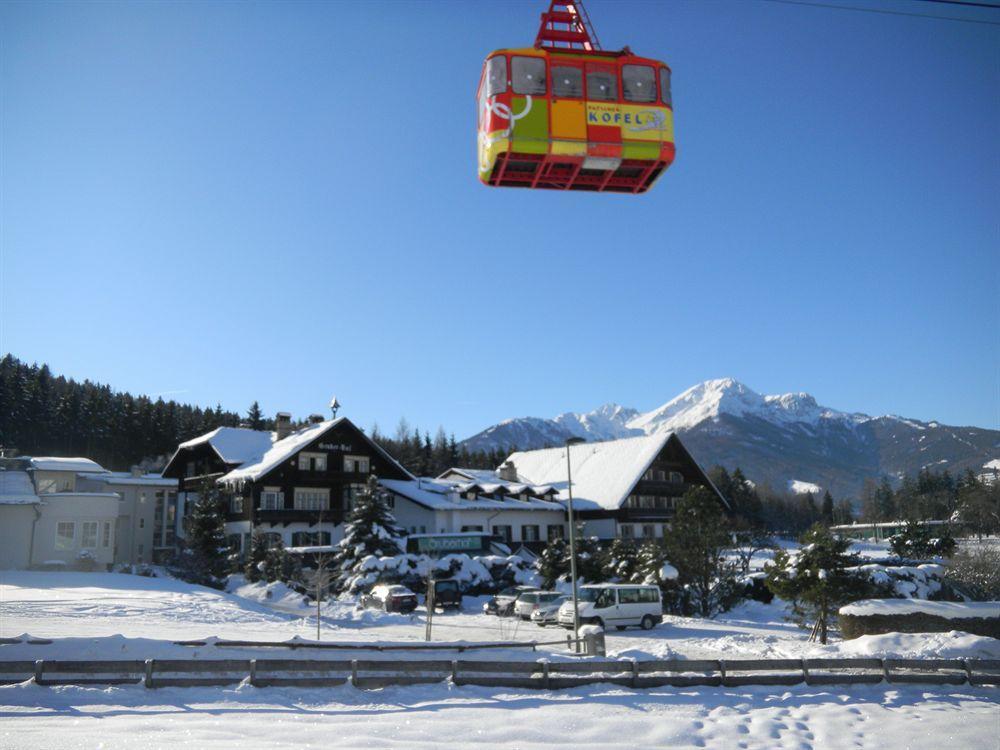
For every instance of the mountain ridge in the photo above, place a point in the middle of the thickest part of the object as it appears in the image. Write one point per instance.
(785, 440)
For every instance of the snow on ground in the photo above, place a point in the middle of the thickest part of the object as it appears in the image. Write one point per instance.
(442, 715)
(95, 615)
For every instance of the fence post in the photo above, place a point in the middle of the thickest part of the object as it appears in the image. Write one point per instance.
(635, 673)
(968, 671)
(885, 670)
(148, 682)
(39, 668)
(722, 670)
(253, 673)
(454, 671)
(545, 674)
(354, 672)
(805, 672)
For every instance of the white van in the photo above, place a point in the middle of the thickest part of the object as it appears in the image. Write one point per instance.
(615, 604)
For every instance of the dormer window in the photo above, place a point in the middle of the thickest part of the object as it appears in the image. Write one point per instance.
(470, 495)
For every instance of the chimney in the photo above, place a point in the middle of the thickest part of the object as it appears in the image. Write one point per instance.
(315, 418)
(282, 425)
(508, 472)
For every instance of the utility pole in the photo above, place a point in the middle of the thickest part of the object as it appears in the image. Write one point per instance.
(572, 541)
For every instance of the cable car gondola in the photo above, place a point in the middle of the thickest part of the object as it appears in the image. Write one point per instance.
(567, 115)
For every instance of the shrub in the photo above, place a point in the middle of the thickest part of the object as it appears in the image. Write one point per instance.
(918, 542)
(976, 573)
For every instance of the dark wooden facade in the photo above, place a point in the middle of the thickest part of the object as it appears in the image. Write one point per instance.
(243, 499)
(655, 494)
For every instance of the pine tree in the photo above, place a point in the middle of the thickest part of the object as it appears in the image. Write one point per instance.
(649, 563)
(553, 563)
(256, 558)
(204, 558)
(255, 417)
(817, 581)
(620, 561)
(827, 509)
(370, 531)
(589, 568)
(696, 546)
(917, 542)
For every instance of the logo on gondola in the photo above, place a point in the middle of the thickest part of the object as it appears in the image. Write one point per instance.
(504, 112)
(646, 119)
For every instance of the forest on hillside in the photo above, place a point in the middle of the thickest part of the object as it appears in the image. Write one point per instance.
(45, 414)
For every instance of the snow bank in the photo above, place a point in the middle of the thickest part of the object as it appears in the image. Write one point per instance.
(947, 610)
(950, 645)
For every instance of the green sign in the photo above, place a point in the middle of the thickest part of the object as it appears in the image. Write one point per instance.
(448, 543)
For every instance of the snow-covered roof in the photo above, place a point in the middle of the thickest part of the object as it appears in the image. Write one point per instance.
(438, 495)
(289, 446)
(235, 445)
(603, 473)
(58, 463)
(16, 489)
(994, 464)
(473, 475)
(126, 478)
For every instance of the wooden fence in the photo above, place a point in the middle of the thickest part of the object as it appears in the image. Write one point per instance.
(542, 674)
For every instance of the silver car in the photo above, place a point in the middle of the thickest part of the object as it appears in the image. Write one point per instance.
(529, 601)
(548, 613)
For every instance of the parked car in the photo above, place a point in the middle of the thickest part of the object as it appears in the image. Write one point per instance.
(546, 613)
(447, 594)
(391, 598)
(503, 603)
(620, 605)
(527, 602)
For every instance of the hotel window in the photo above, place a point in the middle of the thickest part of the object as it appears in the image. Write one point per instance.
(106, 536)
(676, 476)
(272, 498)
(236, 505)
(189, 470)
(471, 495)
(312, 498)
(504, 532)
(554, 531)
(312, 461)
(466, 529)
(356, 464)
(46, 486)
(529, 533)
(88, 535)
(648, 531)
(625, 531)
(142, 523)
(65, 534)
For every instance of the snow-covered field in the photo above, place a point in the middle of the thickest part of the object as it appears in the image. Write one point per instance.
(93, 615)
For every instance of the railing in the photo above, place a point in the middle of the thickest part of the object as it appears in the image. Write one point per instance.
(541, 674)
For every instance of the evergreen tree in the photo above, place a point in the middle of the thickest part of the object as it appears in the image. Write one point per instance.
(370, 531)
(817, 581)
(649, 562)
(255, 417)
(620, 561)
(695, 547)
(256, 558)
(589, 568)
(918, 542)
(204, 558)
(553, 563)
(827, 510)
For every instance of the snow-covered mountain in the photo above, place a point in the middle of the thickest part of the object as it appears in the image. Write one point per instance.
(787, 441)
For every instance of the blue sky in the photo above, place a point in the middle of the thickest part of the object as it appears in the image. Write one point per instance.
(229, 202)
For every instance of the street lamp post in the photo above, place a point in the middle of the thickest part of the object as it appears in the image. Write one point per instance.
(572, 540)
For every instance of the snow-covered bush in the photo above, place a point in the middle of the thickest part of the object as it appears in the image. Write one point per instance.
(85, 560)
(907, 581)
(976, 573)
(919, 542)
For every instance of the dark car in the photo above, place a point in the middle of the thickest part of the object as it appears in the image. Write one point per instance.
(391, 598)
(503, 603)
(447, 594)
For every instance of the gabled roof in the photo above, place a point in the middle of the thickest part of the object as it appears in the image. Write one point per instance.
(604, 473)
(439, 495)
(59, 463)
(234, 445)
(284, 449)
